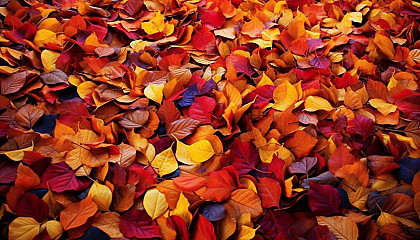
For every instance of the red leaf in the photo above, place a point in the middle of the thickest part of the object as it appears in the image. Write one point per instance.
(340, 157)
(8, 171)
(276, 167)
(202, 109)
(345, 81)
(324, 200)
(320, 233)
(221, 184)
(204, 40)
(136, 223)
(59, 178)
(275, 222)
(30, 205)
(240, 63)
(173, 56)
(179, 226)
(409, 103)
(211, 18)
(269, 191)
(189, 182)
(203, 229)
(244, 157)
(361, 125)
(299, 46)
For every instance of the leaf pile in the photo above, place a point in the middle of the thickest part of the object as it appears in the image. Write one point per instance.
(212, 119)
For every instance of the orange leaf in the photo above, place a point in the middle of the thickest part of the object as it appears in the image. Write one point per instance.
(340, 157)
(245, 201)
(76, 214)
(300, 144)
(109, 222)
(253, 28)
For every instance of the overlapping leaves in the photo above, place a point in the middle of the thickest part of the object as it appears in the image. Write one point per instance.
(210, 120)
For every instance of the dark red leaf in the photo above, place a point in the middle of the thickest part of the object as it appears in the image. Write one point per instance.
(275, 222)
(324, 200)
(30, 205)
(136, 223)
(244, 156)
(59, 178)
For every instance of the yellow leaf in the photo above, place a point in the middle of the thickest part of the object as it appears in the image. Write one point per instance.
(155, 25)
(271, 34)
(248, 183)
(265, 81)
(101, 195)
(408, 223)
(53, 205)
(341, 227)
(266, 151)
(24, 228)
(233, 96)
(154, 203)
(165, 162)
(245, 233)
(54, 229)
(48, 59)
(262, 43)
(386, 218)
(85, 88)
(51, 24)
(182, 153)
(384, 182)
(385, 45)
(200, 151)
(17, 155)
(154, 92)
(285, 95)
(181, 209)
(315, 103)
(383, 107)
(44, 36)
(8, 70)
(224, 228)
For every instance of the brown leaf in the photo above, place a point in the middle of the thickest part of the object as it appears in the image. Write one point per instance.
(13, 83)
(28, 115)
(400, 205)
(182, 128)
(168, 112)
(306, 164)
(134, 119)
(55, 77)
(413, 130)
(123, 197)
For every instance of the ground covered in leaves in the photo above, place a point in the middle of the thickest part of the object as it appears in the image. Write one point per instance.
(211, 119)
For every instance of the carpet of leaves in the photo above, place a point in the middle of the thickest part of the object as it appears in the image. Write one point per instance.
(209, 119)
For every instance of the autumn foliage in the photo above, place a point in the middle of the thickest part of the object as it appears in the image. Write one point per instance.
(210, 119)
